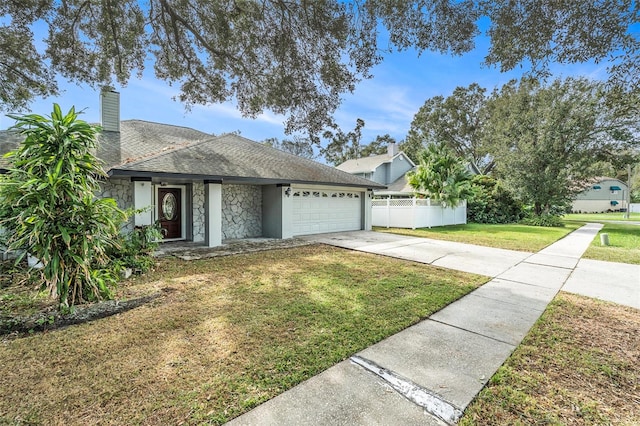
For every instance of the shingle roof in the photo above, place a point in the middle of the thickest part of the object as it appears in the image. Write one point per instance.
(399, 186)
(144, 148)
(364, 165)
(233, 158)
(137, 139)
(140, 139)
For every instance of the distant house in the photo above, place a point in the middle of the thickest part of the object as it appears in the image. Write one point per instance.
(388, 169)
(398, 205)
(207, 189)
(602, 195)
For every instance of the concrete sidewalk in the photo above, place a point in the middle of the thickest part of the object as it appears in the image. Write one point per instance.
(428, 373)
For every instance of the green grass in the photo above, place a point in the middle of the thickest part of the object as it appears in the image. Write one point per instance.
(598, 217)
(511, 236)
(226, 334)
(577, 365)
(624, 244)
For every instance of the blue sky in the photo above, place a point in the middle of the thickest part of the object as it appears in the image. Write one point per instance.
(387, 102)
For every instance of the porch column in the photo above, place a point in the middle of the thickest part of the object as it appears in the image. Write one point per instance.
(213, 213)
(143, 199)
(367, 196)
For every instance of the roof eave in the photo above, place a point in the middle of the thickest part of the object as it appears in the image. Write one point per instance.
(125, 173)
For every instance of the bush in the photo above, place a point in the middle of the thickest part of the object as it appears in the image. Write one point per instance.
(490, 202)
(543, 220)
(136, 248)
(50, 211)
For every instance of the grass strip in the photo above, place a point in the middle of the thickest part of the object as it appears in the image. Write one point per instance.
(510, 237)
(578, 365)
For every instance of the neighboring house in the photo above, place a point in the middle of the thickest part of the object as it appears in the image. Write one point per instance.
(207, 189)
(388, 169)
(397, 205)
(602, 195)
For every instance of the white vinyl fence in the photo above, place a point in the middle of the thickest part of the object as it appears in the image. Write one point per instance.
(415, 213)
(634, 207)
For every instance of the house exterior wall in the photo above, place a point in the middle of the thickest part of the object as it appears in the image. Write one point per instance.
(380, 174)
(198, 206)
(241, 211)
(593, 200)
(398, 167)
(122, 192)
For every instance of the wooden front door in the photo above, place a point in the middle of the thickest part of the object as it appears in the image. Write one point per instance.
(170, 212)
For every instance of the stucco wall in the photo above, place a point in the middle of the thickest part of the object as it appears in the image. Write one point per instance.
(241, 211)
(122, 192)
(197, 190)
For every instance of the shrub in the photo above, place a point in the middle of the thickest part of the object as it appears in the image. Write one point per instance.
(543, 220)
(49, 209)
(490, 202)
(136, 248)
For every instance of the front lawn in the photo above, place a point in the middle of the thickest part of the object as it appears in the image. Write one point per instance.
(578, 365)
(226, 334)
(598, 217)
(624, 244)
(511, 236)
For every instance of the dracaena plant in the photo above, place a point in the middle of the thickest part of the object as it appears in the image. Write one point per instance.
(49, 208)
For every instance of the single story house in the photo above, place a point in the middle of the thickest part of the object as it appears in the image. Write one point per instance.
(207, 189)
(601, 195)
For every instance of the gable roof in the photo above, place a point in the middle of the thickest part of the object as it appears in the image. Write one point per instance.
(369, 164)
(233, 158)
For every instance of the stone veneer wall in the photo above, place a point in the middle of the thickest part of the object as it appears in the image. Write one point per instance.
(122, 192)
(241, 211)
(197, 190)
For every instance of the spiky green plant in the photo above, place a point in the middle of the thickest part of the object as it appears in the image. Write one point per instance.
(49, 208)
(441, 175)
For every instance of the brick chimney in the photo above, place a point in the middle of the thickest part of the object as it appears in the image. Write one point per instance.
(110, 110)
(392, 149)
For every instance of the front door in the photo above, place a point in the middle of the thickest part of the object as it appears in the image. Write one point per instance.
(169, 212)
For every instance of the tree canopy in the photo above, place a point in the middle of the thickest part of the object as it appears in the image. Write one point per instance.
(302, 147)
(547, 138)
(458, 121)
(295, 58)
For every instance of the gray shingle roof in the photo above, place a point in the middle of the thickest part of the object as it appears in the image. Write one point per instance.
(399, 186)
(144, 148)
(140, 139)
(137, 139)
(234, 158)
(364, 165)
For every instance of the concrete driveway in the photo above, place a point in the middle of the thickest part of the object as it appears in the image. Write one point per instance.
(462, 257)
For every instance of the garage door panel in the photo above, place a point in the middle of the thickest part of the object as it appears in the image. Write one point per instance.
(318, 211)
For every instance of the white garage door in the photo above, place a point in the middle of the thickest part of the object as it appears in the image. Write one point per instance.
(317, 211)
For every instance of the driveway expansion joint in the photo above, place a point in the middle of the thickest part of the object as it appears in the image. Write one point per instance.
(431, 402)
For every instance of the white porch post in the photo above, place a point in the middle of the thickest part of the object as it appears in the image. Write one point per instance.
(366, 208)
(213, 213)
(143, 199)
